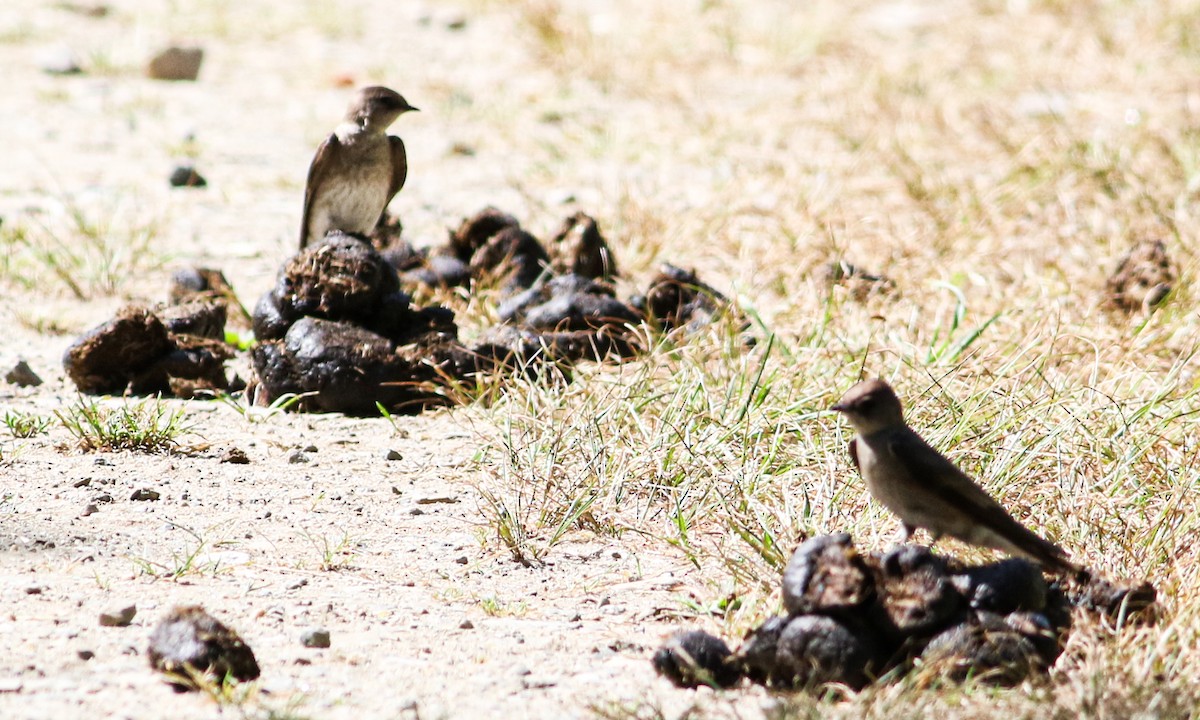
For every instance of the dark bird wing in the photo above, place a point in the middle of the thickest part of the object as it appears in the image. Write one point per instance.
(854, 455)
(933, 472)
(321, 164)
(399, 166)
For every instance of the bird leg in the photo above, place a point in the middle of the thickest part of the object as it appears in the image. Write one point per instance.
(905, 533)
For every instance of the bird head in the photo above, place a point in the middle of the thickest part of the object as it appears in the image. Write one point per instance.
(377, 107)
(871, 405)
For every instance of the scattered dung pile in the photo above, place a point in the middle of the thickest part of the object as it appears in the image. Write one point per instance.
(192, 647)
(340, 331)
(175, 350)
(852, 618)
(1142, 280)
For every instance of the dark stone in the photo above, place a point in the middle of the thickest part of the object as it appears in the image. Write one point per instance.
(176, 63)
(120, 618)
(826, 575)
(235, 456)
(186, 176)
(318, 638)
(190, 642)
(694, 658)
(22, 375)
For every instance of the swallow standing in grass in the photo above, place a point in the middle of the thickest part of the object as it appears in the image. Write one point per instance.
(357, 170)
(925, 489)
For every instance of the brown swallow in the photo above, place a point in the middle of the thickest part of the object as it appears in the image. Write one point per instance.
(358, 169)
(924, 489)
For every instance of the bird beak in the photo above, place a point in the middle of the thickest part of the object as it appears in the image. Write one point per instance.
(839, 408)
(410, 108)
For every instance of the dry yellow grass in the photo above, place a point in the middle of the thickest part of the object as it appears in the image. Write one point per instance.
(995, 159)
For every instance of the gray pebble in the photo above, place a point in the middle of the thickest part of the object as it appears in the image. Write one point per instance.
(318, 638)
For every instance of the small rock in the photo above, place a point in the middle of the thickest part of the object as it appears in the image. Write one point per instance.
(466, 625)
(34, 590)
(59, 60)
(235, 456)
(120, 618)
(85, 655)
(22, 375)
(297, 457)
(145, 494)
(186, 176)
(91, 10)
(176, 63)
(393, 456)
(318, 638)
(462, 560)
(437, 500)
(91, 509)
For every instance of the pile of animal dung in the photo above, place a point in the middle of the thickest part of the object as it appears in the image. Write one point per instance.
(852, 618)
(175, 350)
(341, 332)
(192, 648)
